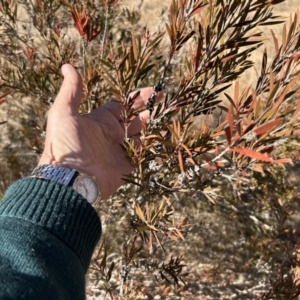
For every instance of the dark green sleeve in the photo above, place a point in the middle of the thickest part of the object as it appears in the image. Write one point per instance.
(47, 236)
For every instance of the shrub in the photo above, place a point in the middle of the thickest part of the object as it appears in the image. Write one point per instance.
(209, 210)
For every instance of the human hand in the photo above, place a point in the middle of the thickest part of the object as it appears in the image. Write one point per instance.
(91, 143)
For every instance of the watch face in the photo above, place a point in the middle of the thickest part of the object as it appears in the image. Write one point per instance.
(87, 187)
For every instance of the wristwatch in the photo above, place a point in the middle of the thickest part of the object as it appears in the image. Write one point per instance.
(82, 183)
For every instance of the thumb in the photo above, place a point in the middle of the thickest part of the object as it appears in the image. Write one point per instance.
(69, 96)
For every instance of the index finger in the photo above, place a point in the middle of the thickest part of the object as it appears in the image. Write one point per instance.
(140, 103)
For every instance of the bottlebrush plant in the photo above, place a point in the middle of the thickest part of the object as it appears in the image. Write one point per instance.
(212, 151)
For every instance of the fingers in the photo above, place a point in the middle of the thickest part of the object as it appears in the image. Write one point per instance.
(114, 108)
(68, 99)
(141, 120)
(140, 102)
(136, 140)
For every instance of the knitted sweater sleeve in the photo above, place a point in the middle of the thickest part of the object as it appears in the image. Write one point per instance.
(47, 236)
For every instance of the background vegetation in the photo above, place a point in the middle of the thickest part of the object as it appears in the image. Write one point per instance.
(212, 210)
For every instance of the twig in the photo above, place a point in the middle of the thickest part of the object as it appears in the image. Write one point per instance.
(105, 30)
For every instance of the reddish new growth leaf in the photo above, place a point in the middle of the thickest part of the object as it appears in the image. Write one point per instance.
(268, 126)
(228, 135)
(282, 161)
(260, 156)
(81, 20)
(85, 24)
(30, 53)
(253, 154)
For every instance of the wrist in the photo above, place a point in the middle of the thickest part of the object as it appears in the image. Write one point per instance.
(95, 170)
(83, 183)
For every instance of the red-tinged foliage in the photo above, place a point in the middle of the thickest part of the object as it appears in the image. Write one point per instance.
(267, 127)
(252, 154)
(85, 24)
(29, 52)
(81, 20)
(283, 161)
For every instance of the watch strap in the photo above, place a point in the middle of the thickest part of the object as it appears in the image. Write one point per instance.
(63, 175)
